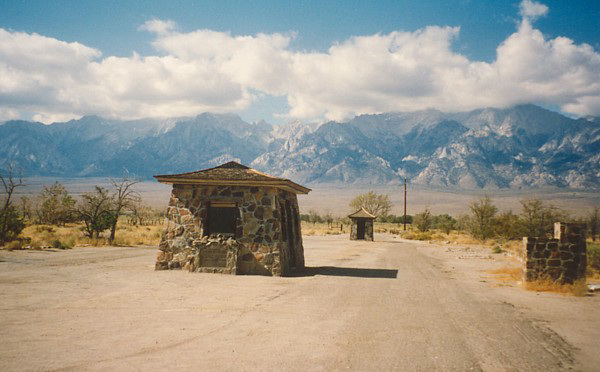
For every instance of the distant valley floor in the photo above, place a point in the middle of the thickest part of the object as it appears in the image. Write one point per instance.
(335, 197)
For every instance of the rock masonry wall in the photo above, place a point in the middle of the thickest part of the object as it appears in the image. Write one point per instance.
(258, 248)
(368, 229)
(562, 259)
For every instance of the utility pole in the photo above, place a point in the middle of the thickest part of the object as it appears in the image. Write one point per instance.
(404, 203)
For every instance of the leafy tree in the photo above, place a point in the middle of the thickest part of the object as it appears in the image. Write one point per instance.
(97, 211)
(124, 197)
(483, 214)
(327, 217)
(463, 222)
(11, 224)
(392, 218)
(444, 222)
(538, 219)
(313, 216)
(26, 208)
(56, 206)
(376, 204)
(424, 220)
(508, 226)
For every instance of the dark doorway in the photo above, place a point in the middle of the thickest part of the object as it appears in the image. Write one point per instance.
(360, 229)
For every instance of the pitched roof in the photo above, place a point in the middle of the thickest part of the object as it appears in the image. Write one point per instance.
(361, 213)
(232, 174)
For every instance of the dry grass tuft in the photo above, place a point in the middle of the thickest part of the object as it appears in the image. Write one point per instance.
(514, 275)
(578, 289)
(72, 235)
(507, 274)
(319, 228)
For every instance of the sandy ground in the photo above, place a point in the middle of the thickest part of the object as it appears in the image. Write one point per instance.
(385, 305)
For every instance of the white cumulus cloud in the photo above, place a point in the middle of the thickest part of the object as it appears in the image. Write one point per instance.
(206, 70)
(532, 9)
(158, 26)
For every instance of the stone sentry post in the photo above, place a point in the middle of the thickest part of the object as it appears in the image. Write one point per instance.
(561, 260)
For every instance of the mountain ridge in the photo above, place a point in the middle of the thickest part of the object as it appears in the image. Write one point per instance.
(522, 146)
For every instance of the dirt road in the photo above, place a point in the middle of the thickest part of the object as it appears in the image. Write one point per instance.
(386, 305)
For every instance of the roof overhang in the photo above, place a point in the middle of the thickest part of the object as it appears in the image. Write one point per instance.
(286, 185)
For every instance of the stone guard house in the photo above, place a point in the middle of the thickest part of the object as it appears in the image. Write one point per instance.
(232, 219)
(362, 225)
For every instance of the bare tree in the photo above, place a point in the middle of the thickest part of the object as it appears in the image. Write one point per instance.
(376, 204)
(96, 211)
(124, 197)
(8, 212)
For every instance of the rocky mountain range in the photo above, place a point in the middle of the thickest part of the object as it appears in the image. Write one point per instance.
(523, 146)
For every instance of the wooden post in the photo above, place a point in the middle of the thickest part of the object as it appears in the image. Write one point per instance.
(404, 203)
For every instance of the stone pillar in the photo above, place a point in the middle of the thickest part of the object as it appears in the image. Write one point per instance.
(562, 259)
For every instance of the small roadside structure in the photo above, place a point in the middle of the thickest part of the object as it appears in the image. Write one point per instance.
(362, 225)
(232, 219)
(561, 260)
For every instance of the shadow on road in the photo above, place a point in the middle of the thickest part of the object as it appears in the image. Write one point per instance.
(347, 271)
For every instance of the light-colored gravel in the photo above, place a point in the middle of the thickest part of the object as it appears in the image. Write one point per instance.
(384, 305)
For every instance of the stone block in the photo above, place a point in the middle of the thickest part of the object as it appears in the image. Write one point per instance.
(566, 255)
(554, 273)
(554, 263)
(539, 254)
(161, 266)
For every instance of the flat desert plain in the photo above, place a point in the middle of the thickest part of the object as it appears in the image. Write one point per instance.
(383, 305)
(336, 197)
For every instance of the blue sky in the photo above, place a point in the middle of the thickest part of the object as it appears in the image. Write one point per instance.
(285, 60)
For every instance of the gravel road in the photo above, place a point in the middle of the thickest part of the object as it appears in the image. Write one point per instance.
(384, 305)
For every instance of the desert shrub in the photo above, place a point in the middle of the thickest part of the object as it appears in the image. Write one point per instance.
(509, 226)
(593, 222)
(538, 219)
(444, 222)
(483, 218)
(71, 241)
(35, 244)
(14, 245)
(56, 206)
(593, 257)
(418, 235)
(497, 249)
(44, 228)
(11, 224)
(392, 218)
(58, 244)
(423, 221)
(95, 209)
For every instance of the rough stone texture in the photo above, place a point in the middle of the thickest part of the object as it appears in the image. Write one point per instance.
(368, 228)
(261, 245)
(562, 259)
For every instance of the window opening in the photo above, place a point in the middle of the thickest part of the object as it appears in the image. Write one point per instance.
(222, 218)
